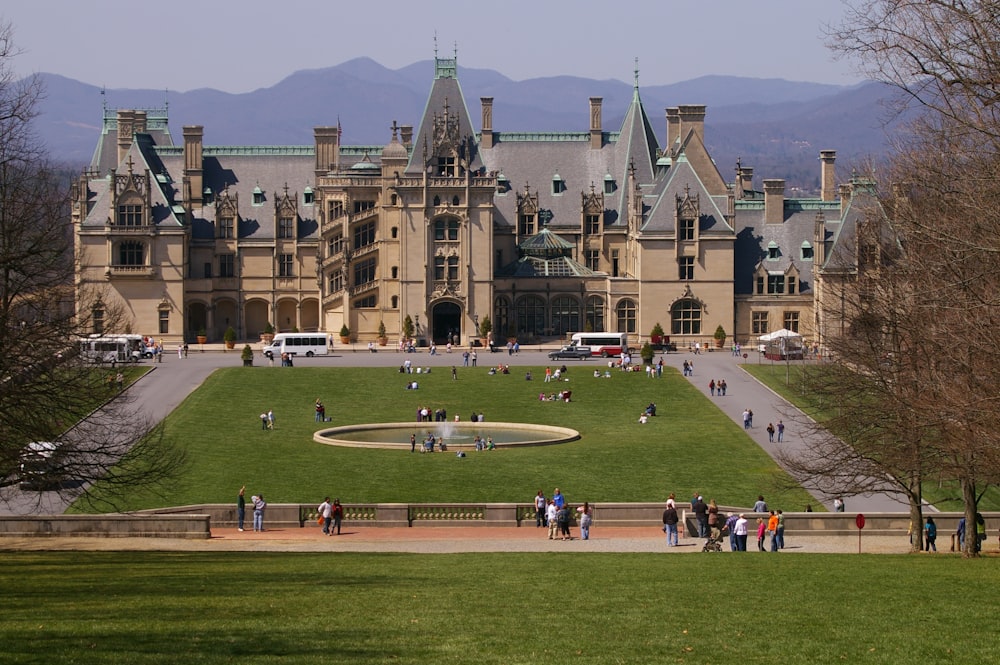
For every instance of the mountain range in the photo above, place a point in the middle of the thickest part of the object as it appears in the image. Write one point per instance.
(775, 126)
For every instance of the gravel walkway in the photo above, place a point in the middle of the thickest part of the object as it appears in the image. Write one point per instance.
(443, 540)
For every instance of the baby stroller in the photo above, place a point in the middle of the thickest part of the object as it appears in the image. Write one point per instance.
(714, 542)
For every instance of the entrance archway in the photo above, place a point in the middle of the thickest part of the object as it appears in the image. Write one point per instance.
(446, 319)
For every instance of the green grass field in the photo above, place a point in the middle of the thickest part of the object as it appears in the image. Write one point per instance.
(690, 445)
(554, 608)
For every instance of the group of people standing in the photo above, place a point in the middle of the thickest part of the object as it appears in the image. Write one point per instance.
(330, 516)
(556, 515)
(258, 505)
(711, 526)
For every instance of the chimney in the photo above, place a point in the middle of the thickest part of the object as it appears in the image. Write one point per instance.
(673, 127)
(596, 134)
(744, 181)
(692, 118)
(774, 201)
(139, 122)
(327, 140)
(487, 140)
(406, 135)
(827, 175)
(819, 239)
(193, 163)
(845, 198)
(126, 130)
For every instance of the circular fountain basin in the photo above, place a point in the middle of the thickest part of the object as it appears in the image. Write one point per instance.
(457, 436)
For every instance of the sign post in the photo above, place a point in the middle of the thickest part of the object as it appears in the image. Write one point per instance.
(860, 522)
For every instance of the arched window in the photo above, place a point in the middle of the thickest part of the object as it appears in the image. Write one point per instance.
(131, 253)
(595, 314)
(685, 317)
(530, 312)
(625, 312)
(565, 315)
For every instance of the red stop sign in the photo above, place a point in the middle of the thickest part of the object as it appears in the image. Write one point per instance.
(860, 521)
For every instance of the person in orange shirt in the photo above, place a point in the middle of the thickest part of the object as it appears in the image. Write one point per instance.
(772, 528)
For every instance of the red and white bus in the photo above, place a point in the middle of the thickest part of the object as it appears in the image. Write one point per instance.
(603, 344)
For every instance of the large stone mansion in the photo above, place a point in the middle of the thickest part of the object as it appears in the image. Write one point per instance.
(546, 233)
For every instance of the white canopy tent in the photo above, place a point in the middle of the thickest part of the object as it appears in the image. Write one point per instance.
(781, 345)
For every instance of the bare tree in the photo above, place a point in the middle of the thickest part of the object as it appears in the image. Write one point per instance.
(46, 393)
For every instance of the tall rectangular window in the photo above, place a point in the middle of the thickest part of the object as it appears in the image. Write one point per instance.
(227, 265)
(97, 318)
(208, 270)
(439, 268)
(336, 282)
(285, 265)
(614, 263)
(364, 235)
(685, 230)
(452, 268)
(686, 268)
(791, 286)
(164, 321)
(592, 224)
(286, 227)
(792, 321)
(758, 325)
(226, 227)
(593, 257)
(364, 272)
(775, 283)
(526, 225)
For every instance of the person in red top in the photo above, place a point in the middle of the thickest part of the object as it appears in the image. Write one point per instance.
(338, 516)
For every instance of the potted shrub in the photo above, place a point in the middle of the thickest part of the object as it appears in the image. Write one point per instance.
(647, 353)
(720, 337)
(486, 330)
(408, 328)
(268, 335)
(656, 336)
(229, 337)
(247, 356)
(345, 334)
(201, 336)
(382, 339)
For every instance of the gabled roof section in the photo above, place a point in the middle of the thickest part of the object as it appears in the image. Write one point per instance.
(445, 101)
(842, 256)
(682, 182)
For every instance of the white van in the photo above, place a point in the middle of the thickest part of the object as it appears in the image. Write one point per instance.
(603, 344)
(298, 344)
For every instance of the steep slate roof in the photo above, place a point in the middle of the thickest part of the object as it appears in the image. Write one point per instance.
(681, 180)
(444, 91)
(841, 256)
(106, 153)
(535, 159)
(636, 148)
(140, 156)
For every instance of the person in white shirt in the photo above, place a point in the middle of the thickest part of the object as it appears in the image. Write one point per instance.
(741, 533)
(551, 515)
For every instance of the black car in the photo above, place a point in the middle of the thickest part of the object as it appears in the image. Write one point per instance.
(573, 352)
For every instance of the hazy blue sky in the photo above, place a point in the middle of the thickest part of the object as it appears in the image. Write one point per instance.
(241, 45)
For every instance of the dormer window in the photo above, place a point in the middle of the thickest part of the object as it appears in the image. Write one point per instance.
(446, 167)
(206, 196)
(308, 197)
(807, 251)
(558, 184)
(258, 196)
(503, 184)
(286, 226)
(609, 184)
(772, 251)
(130, 215)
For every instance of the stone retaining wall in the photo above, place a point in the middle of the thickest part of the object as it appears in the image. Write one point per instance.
(110, 525)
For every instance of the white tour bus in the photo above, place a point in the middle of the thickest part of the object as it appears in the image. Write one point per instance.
(603, 344)
(112, 348)
(298, 344)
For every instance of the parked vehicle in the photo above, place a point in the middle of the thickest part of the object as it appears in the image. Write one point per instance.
(298, 344)
(39, 466)
(112, 348)
(571, 351)
(602, 344)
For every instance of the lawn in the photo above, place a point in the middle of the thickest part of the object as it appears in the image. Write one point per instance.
(788, 382)
(689, 446)
(258, 608)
